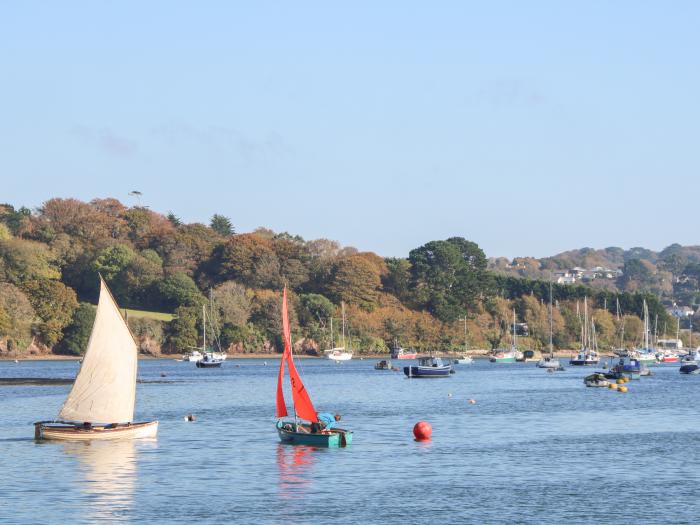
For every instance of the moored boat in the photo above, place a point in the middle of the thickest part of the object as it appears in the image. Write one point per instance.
(402, 353)
(384, 364)
(101, 402)
(193, 356)
(596, 379)
(464, 360)
(429, 367)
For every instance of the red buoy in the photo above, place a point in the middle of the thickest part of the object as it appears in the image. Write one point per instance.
(422, 431)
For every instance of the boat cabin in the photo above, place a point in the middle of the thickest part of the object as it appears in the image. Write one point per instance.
(430, 361)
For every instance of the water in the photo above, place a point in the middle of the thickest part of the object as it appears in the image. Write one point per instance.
(535, 448)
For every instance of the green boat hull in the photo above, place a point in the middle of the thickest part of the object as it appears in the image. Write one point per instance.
(298, 434)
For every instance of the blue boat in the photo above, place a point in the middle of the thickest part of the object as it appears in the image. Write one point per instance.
(629, 367)
(429, 367)
(689, 365)
(295, 433)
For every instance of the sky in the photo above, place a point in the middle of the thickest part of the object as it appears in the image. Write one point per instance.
(528, 127)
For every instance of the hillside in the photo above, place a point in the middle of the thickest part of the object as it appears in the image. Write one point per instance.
(154, 263)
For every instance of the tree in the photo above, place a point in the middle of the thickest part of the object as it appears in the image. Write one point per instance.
(448, 276)
(174, 219)
(248, 259)
(77, 333)
(232, 303)
(178, 289)
(54, 304)
(20, 312)
(5, 322)
(22, 261)
(222, 225)
(355, 280)
(182, 331)
(398, 278)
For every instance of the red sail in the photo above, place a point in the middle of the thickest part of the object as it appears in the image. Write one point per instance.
(281, 405)
(302, 403)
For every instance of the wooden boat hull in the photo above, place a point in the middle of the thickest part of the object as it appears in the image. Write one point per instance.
(65, 432)
(336, 437)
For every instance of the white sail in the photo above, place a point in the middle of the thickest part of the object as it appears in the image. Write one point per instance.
(105, 389)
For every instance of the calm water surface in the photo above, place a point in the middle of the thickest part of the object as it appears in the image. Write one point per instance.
(535, 448)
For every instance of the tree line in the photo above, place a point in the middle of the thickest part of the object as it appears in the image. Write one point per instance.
(50, 259)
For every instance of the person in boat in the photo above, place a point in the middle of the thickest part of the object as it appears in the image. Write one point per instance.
(328, 420)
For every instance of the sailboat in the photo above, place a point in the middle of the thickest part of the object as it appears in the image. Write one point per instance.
(210, 358)
(550, 362)
(588, 355)
(466, 359)
(101, 403)
(647, 354)
(339, 353)
(303, 429)
(508, 356)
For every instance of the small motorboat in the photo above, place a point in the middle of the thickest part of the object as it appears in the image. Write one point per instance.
(596, 379)
(384, 364)
(401, 353)
(464, 360)
(549, 362)
(193, 356)
(429, 367)
(689, 365)
(209, 361)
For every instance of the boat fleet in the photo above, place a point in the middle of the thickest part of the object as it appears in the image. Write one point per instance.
(101, 402)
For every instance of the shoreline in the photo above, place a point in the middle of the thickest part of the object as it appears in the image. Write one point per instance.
(480, 355)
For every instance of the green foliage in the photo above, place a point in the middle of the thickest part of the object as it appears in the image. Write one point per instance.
(398, 279)
(222, 225)
(15, 220)
(144, 327)
(182, 331)
(5, 233)
(21, 314)
(248, 335)
(314, 308)
(22, 260)
(448, 276)
(77, 333)
(178, 289)
(54, 304)
(174, 219)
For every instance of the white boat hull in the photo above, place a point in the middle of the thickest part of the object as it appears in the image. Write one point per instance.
(339, 355)
(64, 432)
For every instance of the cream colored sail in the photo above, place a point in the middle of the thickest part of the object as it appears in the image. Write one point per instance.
(105, 389)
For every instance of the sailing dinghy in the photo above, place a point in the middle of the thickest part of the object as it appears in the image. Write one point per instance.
(307, 431)
(101, 403)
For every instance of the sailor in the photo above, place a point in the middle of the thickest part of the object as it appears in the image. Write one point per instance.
(328, 420)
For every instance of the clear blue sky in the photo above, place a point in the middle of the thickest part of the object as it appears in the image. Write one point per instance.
(529, 127)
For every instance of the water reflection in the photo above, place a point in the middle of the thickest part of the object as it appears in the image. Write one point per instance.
(295, 465)
(107, 476)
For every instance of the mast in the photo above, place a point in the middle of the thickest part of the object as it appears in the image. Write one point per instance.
(551, 322)
(204, 328)
(332, 345)
(515, 343)
(466, 344)
(342, 307)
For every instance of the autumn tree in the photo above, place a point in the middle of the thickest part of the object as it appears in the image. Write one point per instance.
(355, 280)
(248, 259)
(178, 289)
(20, 312)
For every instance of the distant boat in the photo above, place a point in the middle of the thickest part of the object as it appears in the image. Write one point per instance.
(210, 358)
(429, 367)
(465, 359)
(193, 356)
(588, 355)
(550, 361)
(384, 364)
(339, 353)
(508, 356)
(401, 353)
(689, 365)
(306, 431)
(101, 403)
(596, 380)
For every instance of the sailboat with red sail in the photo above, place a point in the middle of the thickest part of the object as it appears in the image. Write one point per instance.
(304, 427)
